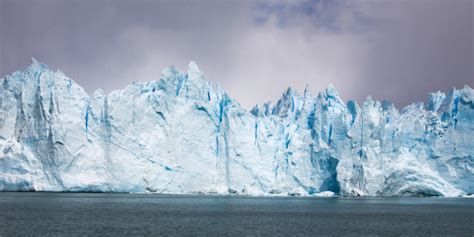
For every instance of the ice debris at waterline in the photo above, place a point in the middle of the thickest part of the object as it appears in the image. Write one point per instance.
(182, 135)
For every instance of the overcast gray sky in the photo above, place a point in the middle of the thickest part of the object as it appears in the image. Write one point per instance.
(396, 50)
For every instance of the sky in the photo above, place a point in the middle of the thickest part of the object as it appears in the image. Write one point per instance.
(395, 50)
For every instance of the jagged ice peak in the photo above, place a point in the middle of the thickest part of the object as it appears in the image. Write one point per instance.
(183, 135)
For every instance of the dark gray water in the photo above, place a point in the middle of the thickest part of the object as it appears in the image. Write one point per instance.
(139, 214)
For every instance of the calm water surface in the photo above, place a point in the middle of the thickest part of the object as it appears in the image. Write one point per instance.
(140, 214)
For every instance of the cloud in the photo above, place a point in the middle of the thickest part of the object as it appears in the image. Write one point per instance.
(323, 16)
(419, 47)
(254, 49)
(254, 63)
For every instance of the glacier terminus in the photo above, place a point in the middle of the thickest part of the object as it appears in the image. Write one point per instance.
(183, 135)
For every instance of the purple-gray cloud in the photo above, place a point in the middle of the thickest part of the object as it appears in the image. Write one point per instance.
(398, 50)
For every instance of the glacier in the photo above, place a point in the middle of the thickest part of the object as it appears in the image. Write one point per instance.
(183, 135)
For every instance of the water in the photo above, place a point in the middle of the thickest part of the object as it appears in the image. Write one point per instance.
(141, 214)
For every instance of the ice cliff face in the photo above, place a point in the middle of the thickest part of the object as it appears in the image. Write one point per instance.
(182, 135)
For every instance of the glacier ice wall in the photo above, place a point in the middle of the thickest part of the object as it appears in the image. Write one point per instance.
(183, 135)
